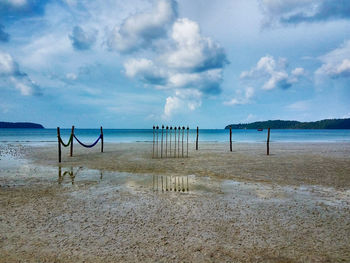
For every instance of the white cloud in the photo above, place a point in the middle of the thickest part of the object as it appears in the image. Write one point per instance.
(193, 52)
(336, 63)
(241, 97)
(189, 63)
(10, 73)
(299, 11)
(182, 101)
(273, 73)
(7, 64)
(139, 30)
(145, 70)
(82, 39)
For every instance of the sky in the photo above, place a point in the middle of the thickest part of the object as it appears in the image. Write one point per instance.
(137, 63)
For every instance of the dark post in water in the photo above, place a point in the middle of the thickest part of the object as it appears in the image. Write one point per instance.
(187, 139)
(59, 144)
(101, 140)
(197, 140)
(153, 140)
(175, 142)
(71, 143)
(157, 139)
(166, 141)
(230, 139)
(161, 144)
(268, 142)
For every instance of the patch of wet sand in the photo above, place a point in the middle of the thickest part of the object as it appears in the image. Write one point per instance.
(100, 215)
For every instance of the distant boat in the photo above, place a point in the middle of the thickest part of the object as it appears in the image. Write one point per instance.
(260, 129)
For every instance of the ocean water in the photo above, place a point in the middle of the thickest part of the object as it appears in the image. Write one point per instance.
(146, 135)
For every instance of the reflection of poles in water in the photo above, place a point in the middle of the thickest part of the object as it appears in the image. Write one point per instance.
(187, 183)
(153, 141)
(166, 141)
(170, 140)
(157, 140)
(187, 140)
(59, 175)
(161, 144)
(183, 132)
(101, 175)
(175, 142)
(176, 183)
(178, 145)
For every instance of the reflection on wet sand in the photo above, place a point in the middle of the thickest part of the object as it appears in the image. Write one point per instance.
(170, 183)
(71, 174)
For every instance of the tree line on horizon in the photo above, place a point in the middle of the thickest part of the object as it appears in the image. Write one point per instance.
(281, 124)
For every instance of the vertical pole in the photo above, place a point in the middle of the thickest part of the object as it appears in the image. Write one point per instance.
(153, 182)
(166, 141)
(230, 139)
(101, 140)
(153, 141)
(59, 144)
(166, 183)
(157, 140)
(183, 133)
(183, 186)
(71, 143)
(161, 144)
(170, 140)
(197, 140)
(170, 183)
(187, 140)
(162, 184)
(175, 141)
(178, 145)
(175, 184)
(268, 142)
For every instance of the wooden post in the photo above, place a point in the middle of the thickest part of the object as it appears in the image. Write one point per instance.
(59, 144)
(178, 145)
(197, 140)
(171, 127)
(175, 141)
(71, 143)
(161, 144)
(183, 132)
(101, 140)
(166, 141)
(230, 139)
(153, 141)
(268, 142)
(187, 140)
(157, 128)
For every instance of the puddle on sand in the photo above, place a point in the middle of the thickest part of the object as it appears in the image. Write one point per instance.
(16, 172)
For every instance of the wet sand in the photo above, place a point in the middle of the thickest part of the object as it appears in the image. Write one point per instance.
(244, 206)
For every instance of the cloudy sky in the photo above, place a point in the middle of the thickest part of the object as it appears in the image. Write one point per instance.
(132, 64)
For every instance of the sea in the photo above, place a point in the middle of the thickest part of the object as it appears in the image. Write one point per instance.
(48, 136)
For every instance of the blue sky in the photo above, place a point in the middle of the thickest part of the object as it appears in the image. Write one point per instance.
(132, 64)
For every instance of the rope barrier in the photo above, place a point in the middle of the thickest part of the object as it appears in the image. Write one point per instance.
(85, 145)
(68, 143)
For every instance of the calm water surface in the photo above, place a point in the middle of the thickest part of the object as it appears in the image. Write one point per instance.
(146, 135)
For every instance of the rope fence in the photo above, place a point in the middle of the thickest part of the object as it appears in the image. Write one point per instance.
(71, 141)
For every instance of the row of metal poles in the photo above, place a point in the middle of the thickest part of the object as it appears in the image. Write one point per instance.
(170, 183)
(176, 146)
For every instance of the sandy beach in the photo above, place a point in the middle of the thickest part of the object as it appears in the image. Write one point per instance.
(240, 206)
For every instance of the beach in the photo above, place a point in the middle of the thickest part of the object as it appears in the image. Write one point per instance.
(239, 206)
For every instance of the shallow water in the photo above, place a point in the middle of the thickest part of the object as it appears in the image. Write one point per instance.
(146, 135)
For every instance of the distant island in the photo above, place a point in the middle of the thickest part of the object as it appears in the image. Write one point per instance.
(280, 124)
(20, 125)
